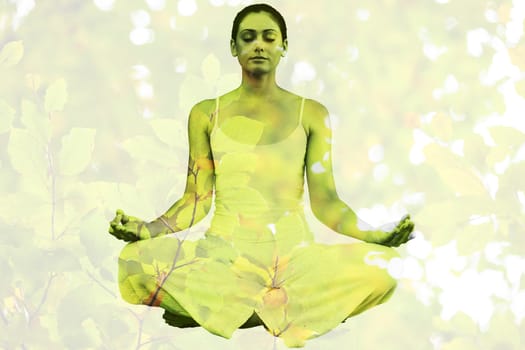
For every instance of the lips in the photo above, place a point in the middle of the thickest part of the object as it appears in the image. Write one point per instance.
(258, 58)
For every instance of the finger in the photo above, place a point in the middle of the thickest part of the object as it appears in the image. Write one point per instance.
(116, 219)
(396, 239)
(390, 239)
(407, 233)
(124, 219)
(401, 235)
(116, 234)
(130, 236)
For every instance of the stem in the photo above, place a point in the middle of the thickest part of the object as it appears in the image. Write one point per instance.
(179, 245)
(100, 284)
(156, 339)
(53, 190)
(4, 318)
(139, 336)
(44, 297)
(275, 272)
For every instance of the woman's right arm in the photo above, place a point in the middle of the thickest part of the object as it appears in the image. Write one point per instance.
(196, 201)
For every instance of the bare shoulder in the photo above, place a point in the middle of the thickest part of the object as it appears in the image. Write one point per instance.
(201, 114)
(205, 107)
(314, 114)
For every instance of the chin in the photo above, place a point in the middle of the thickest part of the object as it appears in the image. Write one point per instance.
(259, 72)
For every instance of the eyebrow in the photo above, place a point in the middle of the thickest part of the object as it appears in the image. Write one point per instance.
(253, 30)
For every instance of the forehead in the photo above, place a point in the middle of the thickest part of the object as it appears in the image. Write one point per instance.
(258, 21)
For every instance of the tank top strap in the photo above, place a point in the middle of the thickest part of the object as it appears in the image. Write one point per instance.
(301, 112)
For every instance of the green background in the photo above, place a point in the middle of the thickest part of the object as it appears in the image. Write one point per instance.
(424, 99)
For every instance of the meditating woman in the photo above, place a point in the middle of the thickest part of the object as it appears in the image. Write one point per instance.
(258, 263)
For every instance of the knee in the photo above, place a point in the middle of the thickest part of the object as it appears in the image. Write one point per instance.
(129, 271)
(384, 281)
(379, 263)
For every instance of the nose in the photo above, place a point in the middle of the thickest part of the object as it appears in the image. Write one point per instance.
(258, 44)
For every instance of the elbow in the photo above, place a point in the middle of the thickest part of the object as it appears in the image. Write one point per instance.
(327, 210)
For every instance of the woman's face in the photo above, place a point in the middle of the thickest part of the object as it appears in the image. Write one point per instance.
(258, 45)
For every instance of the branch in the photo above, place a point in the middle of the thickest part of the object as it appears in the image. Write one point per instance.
(44, 297)
(100, 284)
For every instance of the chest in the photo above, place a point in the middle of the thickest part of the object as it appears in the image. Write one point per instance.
(269, 122)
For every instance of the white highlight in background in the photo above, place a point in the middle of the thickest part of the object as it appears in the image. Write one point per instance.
(376, 153)
(141, 36)
(104, 5)
(156, 5)
(187, 7)
(303, 71)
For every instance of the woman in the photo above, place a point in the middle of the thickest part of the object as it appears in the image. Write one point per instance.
(258, 263)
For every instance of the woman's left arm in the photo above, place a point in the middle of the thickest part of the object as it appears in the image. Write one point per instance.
(324, 200)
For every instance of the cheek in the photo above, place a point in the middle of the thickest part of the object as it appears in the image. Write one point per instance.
(244, 50)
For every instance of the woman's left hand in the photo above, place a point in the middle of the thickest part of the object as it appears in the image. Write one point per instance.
(393, 235)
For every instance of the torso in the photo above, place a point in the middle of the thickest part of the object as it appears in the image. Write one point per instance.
(280, 116)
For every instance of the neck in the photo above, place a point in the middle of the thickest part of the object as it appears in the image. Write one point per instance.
(258, 86)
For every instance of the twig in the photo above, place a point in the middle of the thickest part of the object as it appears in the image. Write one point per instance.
(53, 190)
(44, 297)
(139, 337)
(100, 284)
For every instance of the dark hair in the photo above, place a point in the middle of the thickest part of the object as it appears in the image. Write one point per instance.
(276, 16)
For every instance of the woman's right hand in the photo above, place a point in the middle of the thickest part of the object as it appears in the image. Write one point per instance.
(128, 228)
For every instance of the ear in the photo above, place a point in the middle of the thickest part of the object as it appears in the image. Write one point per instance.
(285, 47)
(233, 48)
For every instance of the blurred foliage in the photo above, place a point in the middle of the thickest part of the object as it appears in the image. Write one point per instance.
(90, 122)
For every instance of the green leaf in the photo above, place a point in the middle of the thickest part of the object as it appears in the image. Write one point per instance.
(36, 121)
(507, 136)
(94, 236)
(193, 89)
(27, 210)
(60, 260)
(238, 162)
(148, 149)
(443, 219)
(77, 306)
(211, 68)
(7, 114)
(474, 238)
(56, 96)
(246, 201)
(243, 130)
(28, 156)
(461, 343)
(168, 131)
(11, 53)
(76, 151)
(227, 82)
(453, 171)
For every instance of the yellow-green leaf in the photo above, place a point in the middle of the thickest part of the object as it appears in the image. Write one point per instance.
(56, 96)
(11, 53)
(454, 173)
(507, 136)
(7, 114)
(168, 131)
(211, 68)
(27, 155)
(76, 151)
(149, 149)
(36, 121)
